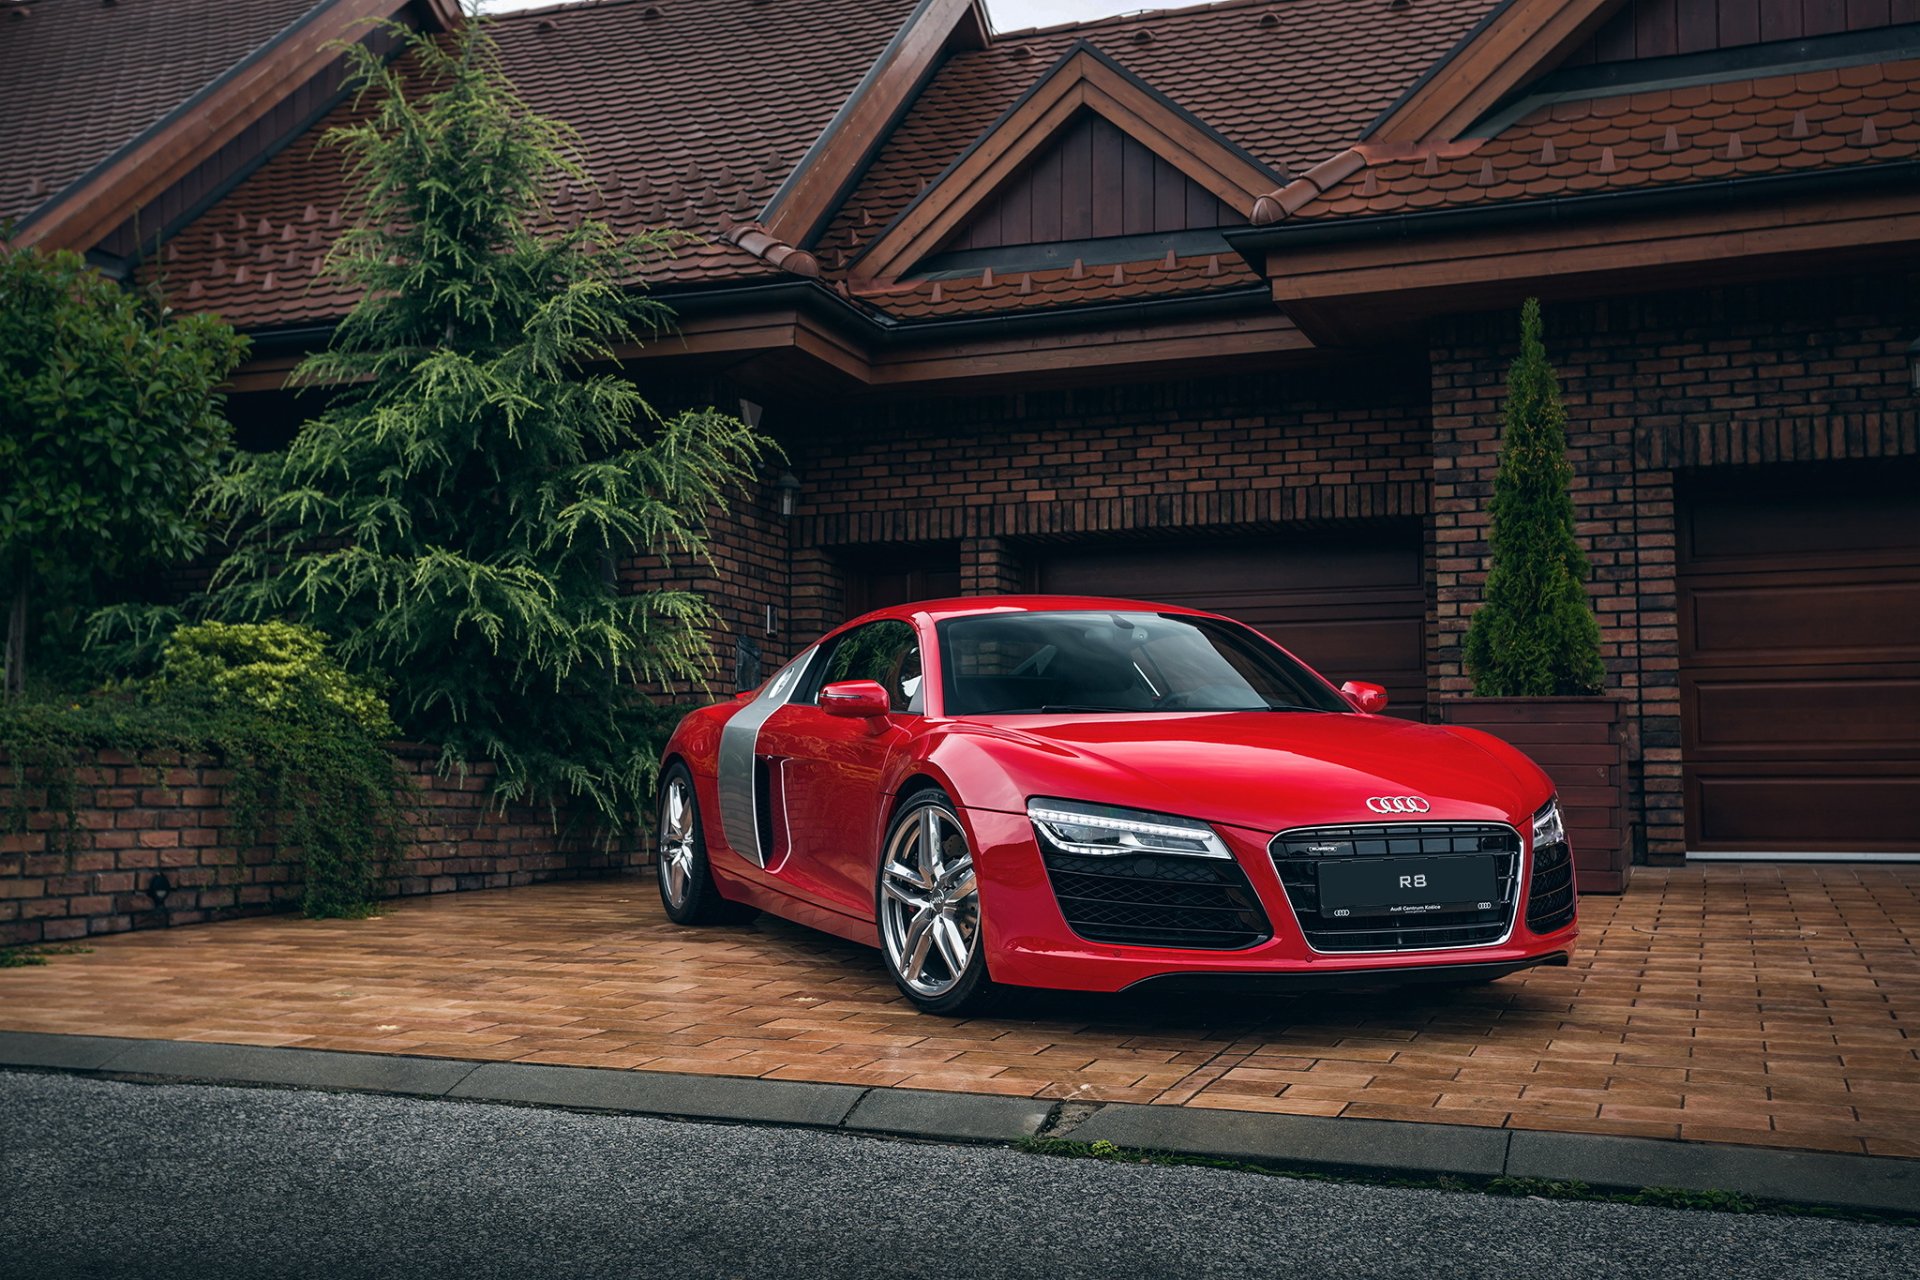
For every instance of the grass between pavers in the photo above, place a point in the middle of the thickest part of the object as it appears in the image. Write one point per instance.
(1532, 1188)
(21, 957)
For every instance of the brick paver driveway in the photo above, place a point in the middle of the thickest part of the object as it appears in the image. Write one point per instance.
(1776, 1005)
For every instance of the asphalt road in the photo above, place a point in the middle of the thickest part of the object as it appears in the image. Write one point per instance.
(99, 1179)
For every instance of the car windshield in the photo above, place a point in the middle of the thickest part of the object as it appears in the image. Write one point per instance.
(1106, 661)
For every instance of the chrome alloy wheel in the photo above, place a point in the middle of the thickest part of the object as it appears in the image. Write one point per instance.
(929, 907)
(675, 858)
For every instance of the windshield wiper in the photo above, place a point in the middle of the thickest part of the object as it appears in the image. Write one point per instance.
(1079, 706)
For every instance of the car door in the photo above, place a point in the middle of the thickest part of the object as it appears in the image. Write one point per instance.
(826, 771)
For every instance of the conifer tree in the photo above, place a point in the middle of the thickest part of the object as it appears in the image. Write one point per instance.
(1536, 634)
(453, 518)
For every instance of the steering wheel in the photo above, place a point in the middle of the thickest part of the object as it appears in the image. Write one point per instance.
(1036, 663)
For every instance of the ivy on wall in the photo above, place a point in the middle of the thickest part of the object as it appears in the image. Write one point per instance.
(305, 743)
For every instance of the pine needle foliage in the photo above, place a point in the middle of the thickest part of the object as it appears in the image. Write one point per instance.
(454, 515)
(1535, 636)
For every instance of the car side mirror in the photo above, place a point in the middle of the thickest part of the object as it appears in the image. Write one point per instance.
(1370, 698)
(855, 699)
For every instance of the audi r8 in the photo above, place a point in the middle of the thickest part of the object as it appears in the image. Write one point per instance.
(1099, 795)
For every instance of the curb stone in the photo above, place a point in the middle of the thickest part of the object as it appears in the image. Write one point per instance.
(1877, 1184)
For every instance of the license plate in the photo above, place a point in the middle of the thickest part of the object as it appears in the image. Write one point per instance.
(1405, 886)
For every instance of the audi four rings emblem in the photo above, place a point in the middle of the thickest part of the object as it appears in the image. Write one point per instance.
(1397, 804)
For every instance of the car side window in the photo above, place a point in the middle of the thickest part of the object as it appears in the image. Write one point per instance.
(887, 652)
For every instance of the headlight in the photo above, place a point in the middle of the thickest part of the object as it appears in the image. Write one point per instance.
(1100, 830)
(1547, 827)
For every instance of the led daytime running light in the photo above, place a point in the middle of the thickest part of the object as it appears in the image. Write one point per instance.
(1137, 831)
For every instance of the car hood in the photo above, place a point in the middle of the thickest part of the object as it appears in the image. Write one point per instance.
(1266, 770)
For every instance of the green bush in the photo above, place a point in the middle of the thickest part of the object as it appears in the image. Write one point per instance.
(278, 668)
(110, 420)
(306, 744)
(1536, 635)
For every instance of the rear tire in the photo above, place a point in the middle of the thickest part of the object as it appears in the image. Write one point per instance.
(927, 904)
(687, 890)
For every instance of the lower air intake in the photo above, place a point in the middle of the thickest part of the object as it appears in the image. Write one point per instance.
(1158, 900)
(1550, 897)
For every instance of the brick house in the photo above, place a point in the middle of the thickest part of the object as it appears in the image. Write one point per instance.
(1212, 305)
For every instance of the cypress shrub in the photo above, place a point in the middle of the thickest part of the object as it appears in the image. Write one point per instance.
(1535, 635)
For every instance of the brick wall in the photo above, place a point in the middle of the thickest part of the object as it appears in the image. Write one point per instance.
(163, 814)
(746, 569)
(995, 474)
(744, 573)
(1803, 372)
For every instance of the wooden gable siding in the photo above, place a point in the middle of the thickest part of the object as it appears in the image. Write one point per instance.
(1657, 28)
(295, 112)
(1093, 181)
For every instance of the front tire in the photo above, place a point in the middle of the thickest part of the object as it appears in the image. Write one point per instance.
(928, 907)
(687, 890)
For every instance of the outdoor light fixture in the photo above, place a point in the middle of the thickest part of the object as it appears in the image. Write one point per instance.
(789, 486)
(1913, 364)
(750, 413)
(158, 888)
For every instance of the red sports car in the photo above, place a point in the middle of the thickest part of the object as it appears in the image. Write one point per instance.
(1055, 791)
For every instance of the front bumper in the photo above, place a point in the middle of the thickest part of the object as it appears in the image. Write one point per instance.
(1029, 942)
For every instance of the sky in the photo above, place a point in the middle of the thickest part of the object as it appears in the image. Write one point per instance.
(1007, 15)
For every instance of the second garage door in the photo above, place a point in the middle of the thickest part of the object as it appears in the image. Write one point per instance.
(1353, 608)
(1800, 661)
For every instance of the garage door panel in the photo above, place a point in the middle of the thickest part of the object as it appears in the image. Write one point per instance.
(1799, 681)
(1217, 570)
(1799, 711)
(1387, 653)
(1758, 619)
(1770, 521)
(1749, 812)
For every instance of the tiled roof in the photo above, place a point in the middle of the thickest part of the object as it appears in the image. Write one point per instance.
(80, 79)
(690, 114)
(1789, 123)
(1289, 81)
(1078, 285)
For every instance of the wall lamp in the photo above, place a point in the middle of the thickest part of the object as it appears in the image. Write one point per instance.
(1913, 364)
(788, 486)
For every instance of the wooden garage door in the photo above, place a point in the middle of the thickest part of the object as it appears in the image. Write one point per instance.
(1353, 608)
(1799, 618)
(878, 577)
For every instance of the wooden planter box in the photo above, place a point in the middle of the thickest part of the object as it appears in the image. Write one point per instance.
(1579, 742)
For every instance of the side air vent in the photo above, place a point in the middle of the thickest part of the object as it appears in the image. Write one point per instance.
(1550, 897)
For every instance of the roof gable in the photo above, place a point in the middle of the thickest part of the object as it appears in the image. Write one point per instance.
(1084, 81)
(668, 131)
(1658, 28)
(111, 106)
(1510, 46)
(1091, 181)
(80, 82)
(1798, 108)
(1289, 83)
(798, 211)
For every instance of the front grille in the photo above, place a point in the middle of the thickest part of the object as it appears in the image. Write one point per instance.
(1550, 896)
(1157, 900)
(1297, 856)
